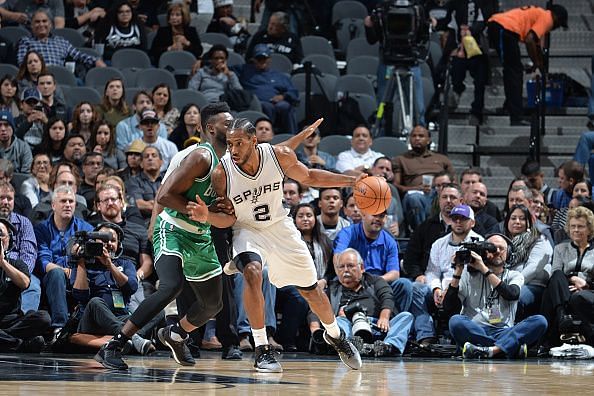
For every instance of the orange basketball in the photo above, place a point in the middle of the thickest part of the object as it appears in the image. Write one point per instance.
(372, 195)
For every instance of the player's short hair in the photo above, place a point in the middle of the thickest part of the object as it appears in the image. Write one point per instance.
(244, 124)
(211, 110)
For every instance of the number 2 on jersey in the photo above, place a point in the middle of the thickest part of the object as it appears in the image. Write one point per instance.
(262, 213)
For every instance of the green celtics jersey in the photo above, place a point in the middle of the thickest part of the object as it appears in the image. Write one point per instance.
(201, 187)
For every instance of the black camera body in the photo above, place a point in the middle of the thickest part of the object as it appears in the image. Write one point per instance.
(404, 28)
(464, 257)
(90, 246)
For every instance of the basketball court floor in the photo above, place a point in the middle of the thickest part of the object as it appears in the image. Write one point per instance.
(303, 374)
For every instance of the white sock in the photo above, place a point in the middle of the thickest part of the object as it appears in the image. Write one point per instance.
(260, 337)
(332, 329)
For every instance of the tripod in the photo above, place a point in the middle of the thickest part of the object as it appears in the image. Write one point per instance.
(399, 77)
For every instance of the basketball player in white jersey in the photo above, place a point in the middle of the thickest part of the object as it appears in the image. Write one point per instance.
(251, 176)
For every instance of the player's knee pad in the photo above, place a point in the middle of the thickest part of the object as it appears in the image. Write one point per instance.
(244, 258)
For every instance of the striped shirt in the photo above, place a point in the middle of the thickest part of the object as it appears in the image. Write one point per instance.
(54, 49)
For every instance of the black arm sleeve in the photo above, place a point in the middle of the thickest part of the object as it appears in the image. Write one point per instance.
(508, 292)
(451, 302)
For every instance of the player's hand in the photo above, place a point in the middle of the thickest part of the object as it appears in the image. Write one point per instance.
(222, 204)
(362, 176)
(197, 211)
(383, 324)
(309, 130)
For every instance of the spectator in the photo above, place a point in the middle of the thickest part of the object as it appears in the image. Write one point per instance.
(330, 220)
(568, 296)
(22, 205)
(178, 35)
(538, 207)
(409, 169)
(78, 16)
(92, 164)
(97, 287)
(30, 68)
(32, 121)
(53, 235)
(352, 211)
(11, 147)
(113, 107)
(188, 128)
(146, 12)
(428, 295)
(277, 38)
(24, 245)
(225, 22)
(528, 25)
(570, 173)
(476, 198)
(382, 167)
(63, 174)
(309, 154)
(54, 105)
(416, 258)
(264, 130)
(276, 92)
(121, 29)
(532, 258)
(214, 78)
(582, 189)
(53, 49)
(381, 254)
(149, 122)
(291, 193)
(75, 149)
(20, 332)
(293, 13)
(84, 118)
(103, 141)
(143, 187)
(129, 129)
(9, 95)
(54, 9)
(53, 141)
(486, 327)
(372, 292)
(470, 176)
(439, 180)
(360, 157)
(37, 187)
(535, 179)
(168, 114)
(133, 160)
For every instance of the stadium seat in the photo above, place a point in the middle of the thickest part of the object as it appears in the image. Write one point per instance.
(151, 77)
(389, 146)
(367, 105)
(348, 29)
(13, 34)
(323, 84)
(251, 115)
(182, 97)
(89, 51)
(72, 35)
(281, 63)
(7, 68)
(316, 45)
(216, 38)
(130, 57)
(281, 137)
(360, 46)
(323, 63)
(354, 84)
(131, 75)
(335, 144)
(235, 59)
(98, 76)
(62, 75)
(348, 9)
(75, 95)
(130, 93)
(180, 61)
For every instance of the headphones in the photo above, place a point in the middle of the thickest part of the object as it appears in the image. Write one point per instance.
(119, 232)
(11, 233)
(510, 244)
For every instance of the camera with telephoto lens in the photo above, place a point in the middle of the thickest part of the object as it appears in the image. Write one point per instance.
(464, 257)
(361, 325)
(90, 247)
(404, 28)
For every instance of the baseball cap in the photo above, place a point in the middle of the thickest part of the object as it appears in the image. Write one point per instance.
(222, 3)
(261, 51)
(31, 93)
(149, 115)
(6, 116)
(137, 146)
(561, 14)
(463, 211)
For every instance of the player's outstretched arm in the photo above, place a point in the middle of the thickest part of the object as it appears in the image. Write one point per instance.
(171, 192)
(311, 177)
(294, 141)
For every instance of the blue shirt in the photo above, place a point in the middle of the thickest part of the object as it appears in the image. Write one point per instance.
(128, 130)
(266, 83)
(25, 243)
(561, 199)
(379, 256)
(54, 49)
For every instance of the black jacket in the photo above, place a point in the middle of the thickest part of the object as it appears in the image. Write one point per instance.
(164, 39)
(416, 257)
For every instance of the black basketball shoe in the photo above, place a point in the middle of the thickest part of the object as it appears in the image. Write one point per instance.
(346, 350)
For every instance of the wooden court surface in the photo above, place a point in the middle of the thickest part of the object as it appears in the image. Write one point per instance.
(303, 374)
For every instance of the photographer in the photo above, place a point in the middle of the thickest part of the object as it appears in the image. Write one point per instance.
(103, 285)
(18, 332)
(486, 295)
(370, 294)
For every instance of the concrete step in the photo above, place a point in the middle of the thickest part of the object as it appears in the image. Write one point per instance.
(457, 131)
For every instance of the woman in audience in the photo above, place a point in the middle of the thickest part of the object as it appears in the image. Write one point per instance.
(569, 290)
(113, 107)
(189, 126)
(582, 189)
(215, 77)
(9, 95)
(32, 66)
(103, 141)
(53, 140)
(178, 35)
(121, 29)
(37, 187)
(168, 115)
(531, 256)
(84, 118)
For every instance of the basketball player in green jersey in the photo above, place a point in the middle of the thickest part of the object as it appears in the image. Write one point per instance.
(183, 247)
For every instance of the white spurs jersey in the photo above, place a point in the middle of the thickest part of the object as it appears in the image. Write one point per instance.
(258, 199)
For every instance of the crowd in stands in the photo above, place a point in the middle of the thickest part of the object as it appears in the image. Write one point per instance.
(67, 169)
